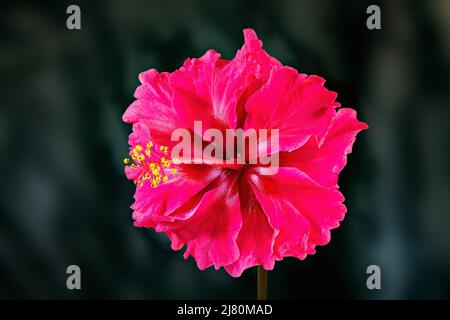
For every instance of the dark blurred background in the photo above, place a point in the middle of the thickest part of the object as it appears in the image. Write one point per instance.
(65, 200)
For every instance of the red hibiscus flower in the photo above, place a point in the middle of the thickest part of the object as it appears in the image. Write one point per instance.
(235, 215)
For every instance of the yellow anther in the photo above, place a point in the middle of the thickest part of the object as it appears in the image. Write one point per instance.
(134, 157)
(141, 157)
(133, 165)
(156, 169)
(165, 178)
(126, 161)
(151, 165)
(163, 160)
(167, 164)
(173, 170)
(138, 147)
(149, 144)
(148, 152)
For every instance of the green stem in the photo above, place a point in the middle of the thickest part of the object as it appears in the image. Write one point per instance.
(262, 283)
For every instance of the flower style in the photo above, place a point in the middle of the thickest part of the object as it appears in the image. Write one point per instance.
(235, 216)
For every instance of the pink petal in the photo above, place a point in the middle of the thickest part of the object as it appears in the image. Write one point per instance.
(301, 210)
(156, 205)
(253, 53)
(256, 237)
(154, 106)
(209, 88)
(194, 97)
(252, 50)
(297, 105)
(211, 231)
(139, 135)
(231, 83)
(324, 163)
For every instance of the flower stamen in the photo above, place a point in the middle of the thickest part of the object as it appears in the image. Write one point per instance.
(154, 166)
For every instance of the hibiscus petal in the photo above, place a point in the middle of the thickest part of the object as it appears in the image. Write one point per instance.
(252, 53)
(252, 50)
(193, 86)
(155, 205)
(256, 237)
(297, 105)
(231, 83)
(324, 163)
(209, 88)
(302, 210)
(154, 106)
(211, 231)
(139, 135)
